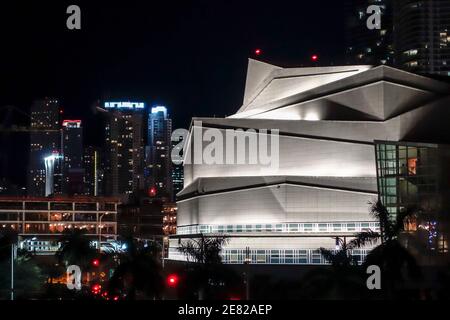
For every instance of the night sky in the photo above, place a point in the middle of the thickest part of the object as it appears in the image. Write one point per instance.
(188, 55)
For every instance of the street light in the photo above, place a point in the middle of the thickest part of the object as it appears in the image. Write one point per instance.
(100, 231)
(247, 262)
(13, 257)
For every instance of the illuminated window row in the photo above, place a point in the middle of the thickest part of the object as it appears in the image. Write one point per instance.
(274, 256)
(282, 227)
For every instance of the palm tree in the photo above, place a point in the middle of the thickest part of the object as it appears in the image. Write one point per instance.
(204, 250)
(28, 277)
(343, 280)
(396, 262)
(341, 258)
(208, 276)
(139, 272)
(75, 249)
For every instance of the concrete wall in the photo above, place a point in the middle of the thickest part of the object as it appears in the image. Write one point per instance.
(275, 204)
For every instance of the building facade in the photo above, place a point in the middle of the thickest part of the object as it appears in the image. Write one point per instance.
(54, 179)
(177, 165)
(324, 123)
(417, 175)
(422, 36)
(414, 35)
(158, 161)
(72, 157)
(124, 148)
(364, 45)
(40, 222)
(143, 219)
(93, 171)
(45, 141)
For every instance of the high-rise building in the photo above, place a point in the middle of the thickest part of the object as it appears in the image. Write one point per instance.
(45, 141)
(414, 35)
(177, 166)
(422, 36)
(93, 171)
(158, 161)
(124, 148)
(72, 153)
(364, 45)
(53, 174)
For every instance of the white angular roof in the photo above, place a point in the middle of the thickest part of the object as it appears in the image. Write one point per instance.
(334, 93)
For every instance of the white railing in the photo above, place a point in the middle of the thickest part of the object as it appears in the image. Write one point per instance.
(303, 227)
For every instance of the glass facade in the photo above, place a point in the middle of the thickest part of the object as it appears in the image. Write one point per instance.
(411, 174)
(421, 36)
(416, 175)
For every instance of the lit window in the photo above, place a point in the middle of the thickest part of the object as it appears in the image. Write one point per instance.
(412, 166)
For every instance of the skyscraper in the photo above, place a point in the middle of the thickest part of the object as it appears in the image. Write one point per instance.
(177, 168)
(158, 162)
(93, 171)
(422, 36)
(124, 147)
(45, 142)
(53, 174)
(363, 45)
(414, 35)
(72, 152)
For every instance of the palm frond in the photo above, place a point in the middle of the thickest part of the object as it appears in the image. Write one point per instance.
(364, 238)
(204, 250)
(328, 255)
(380, 213)
(191, 250)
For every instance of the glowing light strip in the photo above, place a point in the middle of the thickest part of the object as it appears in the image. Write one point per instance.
(124, 105)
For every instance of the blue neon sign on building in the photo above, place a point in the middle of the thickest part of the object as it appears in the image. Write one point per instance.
(125, 105)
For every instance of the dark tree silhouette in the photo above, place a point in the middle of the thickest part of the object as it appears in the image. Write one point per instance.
(28, 277)
(204, 250)
(396, 262)
(208, 276)
(139, 272)
(343, 280)
(75, 249)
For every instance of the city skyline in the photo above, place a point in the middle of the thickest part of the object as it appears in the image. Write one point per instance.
(48, 119)
(225, 150)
